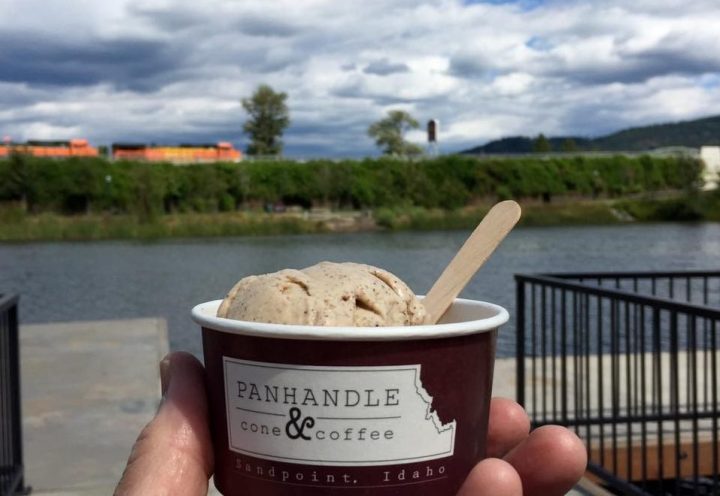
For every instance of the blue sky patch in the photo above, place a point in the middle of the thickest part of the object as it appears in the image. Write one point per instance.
(539, 43)
(524, 4)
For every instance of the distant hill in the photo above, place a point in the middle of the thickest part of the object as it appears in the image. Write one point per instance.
(705, 131)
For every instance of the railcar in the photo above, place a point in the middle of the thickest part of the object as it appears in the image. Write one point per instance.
(53, 149)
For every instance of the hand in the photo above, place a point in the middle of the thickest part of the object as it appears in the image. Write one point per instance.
(548, 461)
(173, 454)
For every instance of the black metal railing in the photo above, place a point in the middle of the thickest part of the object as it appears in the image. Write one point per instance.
(629, 361)
(11, 459)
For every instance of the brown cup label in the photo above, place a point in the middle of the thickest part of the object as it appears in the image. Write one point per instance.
(334, 416)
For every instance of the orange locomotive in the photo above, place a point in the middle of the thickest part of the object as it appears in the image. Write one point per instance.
(182, 154)
(55, 149)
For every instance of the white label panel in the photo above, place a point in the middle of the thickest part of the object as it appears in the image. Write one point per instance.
(343, 416)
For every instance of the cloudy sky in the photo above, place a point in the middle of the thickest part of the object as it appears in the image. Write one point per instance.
(172, 71)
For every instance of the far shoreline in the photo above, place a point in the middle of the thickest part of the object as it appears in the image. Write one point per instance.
(17, 227)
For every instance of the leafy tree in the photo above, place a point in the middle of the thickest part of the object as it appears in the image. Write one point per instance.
(541, 144)
(148, 189)
(268, 118)
(21, 182)
(389, 134)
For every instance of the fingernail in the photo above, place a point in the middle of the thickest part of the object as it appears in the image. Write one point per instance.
(164, 374)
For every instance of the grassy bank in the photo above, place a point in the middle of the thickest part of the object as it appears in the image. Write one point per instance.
(694, 207)
(533, 215)
(54, 227)
(16, 226)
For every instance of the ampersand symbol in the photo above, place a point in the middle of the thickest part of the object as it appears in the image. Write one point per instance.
(298, 429)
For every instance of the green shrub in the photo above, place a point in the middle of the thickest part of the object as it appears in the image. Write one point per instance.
(147, 190)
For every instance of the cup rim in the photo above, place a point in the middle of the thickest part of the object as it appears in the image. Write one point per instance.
(204, 314)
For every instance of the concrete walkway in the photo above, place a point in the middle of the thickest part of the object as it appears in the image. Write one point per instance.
(88, 390)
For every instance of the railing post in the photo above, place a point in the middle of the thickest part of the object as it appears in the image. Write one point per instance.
(13, 482)
(14, 340)
(520, 339)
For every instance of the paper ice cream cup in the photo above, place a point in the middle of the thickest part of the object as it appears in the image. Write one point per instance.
(306, 410)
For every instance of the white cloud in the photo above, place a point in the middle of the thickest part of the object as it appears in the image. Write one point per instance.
(164, 70)
(516, 83)
(43, 131)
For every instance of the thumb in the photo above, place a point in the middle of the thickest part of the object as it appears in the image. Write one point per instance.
(173, 454)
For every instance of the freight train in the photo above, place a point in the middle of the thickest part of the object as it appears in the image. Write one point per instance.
(57, 149)
(182, 154)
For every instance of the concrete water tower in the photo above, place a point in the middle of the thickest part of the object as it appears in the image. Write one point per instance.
(433, 130)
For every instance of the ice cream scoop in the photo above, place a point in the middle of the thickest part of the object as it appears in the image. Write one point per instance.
(326, 294)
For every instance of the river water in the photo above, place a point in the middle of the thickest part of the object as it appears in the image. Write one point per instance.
(130, 279)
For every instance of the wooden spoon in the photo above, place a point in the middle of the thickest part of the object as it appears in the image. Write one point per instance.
(498, 222)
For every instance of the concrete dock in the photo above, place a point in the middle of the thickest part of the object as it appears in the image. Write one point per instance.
(88, 389)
